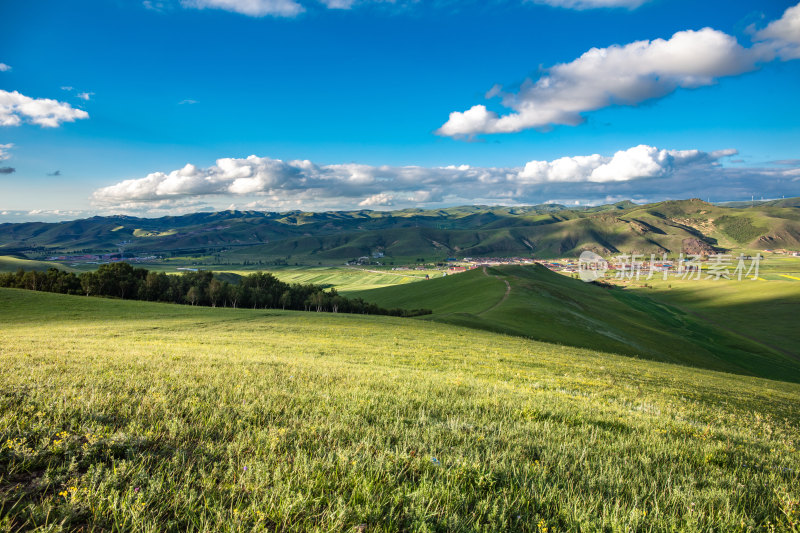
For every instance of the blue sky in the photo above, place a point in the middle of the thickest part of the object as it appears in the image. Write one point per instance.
(370, 98)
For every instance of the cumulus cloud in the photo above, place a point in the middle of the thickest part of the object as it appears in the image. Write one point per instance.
(4, 67)
(41, 215)
(626, 75)
(274, 184)
(783, 35)
(434, 195)
(16, 108)
(375, 200)
(617, 75)
(634, 163)
(4, 148)
(593, 4)
(253, 8)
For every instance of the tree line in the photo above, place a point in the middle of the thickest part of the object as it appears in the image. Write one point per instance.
(260, 290)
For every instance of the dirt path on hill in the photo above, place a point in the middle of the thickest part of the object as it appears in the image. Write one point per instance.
(505, 296)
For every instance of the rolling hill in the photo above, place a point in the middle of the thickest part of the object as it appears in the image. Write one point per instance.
(533, 302)
(13, 263)
(413, 234)
(155, 417)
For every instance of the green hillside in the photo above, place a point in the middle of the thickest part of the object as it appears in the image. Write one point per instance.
(762, 311)
(154, 417)
(345, 280)
(783, 202)
(404, 236)
(12, 264)
(534, 302)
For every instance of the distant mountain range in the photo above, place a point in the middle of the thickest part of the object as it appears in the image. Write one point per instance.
(545, 231)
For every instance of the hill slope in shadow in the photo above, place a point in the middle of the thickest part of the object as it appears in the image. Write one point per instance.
(531, 301)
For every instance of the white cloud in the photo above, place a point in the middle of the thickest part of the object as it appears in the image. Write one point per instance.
(338, 4)
(348, 4)
(4, 67)
(381, 199)
(634, 163)
(292, 8)
(83, 96)
(253, 8)
(592, 4)
(37, 215)
(274, 184)
(783, 35)
(4, 148)
(154, 5)
(617, 75)
(16, 108)
(427, 196)
(626, 75)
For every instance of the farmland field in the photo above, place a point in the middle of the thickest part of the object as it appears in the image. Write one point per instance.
(343, 279)
(347, 280)
(155, 417)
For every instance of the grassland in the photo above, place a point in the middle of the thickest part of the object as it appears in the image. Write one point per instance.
(12, 264)
(346, 280)
(764, 311)
(536, 303)
(151, 417)
(777, 267)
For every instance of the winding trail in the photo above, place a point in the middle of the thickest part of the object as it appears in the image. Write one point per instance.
(505, 296)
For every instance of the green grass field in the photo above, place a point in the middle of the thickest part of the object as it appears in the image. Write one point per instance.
(120, 415)
(12, 264)
(347, 280)
(758, 310)
(536, 303)
(343, 279)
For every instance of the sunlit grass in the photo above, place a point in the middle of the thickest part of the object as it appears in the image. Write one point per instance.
(155, 417)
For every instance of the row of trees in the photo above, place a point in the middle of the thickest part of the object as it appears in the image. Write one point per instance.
(258, 291)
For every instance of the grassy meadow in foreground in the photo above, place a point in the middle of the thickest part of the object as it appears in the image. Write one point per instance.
(122, 415)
